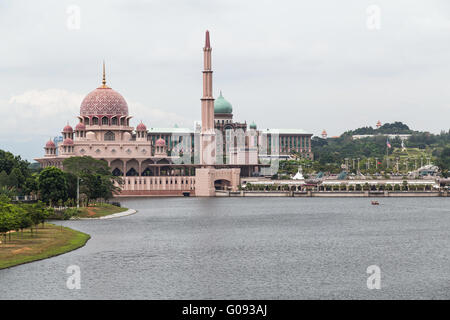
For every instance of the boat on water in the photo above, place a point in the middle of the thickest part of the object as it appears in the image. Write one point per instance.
(375, 203)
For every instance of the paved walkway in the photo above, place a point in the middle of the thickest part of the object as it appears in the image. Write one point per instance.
(114, 215)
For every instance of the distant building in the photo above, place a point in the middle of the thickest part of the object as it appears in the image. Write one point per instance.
(390, 136)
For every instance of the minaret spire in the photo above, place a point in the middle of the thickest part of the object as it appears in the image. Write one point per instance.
(104, 76)
(207, 43)
(208, 134)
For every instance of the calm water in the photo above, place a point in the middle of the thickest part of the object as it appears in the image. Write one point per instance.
(261, 248)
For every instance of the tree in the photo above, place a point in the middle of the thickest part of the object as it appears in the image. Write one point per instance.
(10, 216)
(443, 162)
(37, 212)
(97, 179)
(52, 184)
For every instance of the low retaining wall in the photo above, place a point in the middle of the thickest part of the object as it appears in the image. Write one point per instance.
(154, 193)
(332, 194)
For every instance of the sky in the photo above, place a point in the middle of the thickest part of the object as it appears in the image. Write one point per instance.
(310, 65)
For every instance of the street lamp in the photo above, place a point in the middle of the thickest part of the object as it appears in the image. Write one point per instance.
(78, 191)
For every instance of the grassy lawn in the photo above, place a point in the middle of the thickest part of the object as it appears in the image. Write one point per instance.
(45, 242)
(99, 210)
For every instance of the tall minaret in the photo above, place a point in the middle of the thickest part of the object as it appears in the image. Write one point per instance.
(208, 143)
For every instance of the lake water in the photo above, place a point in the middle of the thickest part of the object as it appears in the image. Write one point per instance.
(252, 248)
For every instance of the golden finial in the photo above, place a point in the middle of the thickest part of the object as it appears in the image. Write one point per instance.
(104, 76)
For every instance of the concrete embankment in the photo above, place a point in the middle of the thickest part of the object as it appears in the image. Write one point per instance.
(332, 194)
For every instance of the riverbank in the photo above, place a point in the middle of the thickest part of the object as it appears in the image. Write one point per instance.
(45, 242)
(332, 194)
(114, 215)
(99, 210)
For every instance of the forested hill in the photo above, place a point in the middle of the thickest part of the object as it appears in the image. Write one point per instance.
(333, 151)
(387, 128)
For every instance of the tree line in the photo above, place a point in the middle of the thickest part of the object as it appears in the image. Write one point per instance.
(16, 217)
(54, 185)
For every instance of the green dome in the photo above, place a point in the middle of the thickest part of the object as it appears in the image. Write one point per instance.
(222, 106)
(253, 125)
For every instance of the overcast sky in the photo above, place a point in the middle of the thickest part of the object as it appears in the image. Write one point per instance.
(314, 65)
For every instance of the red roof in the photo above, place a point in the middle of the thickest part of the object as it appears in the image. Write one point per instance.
(80, 126)
(68, 128)
(50, 144)
(160, 142)
(141, 127)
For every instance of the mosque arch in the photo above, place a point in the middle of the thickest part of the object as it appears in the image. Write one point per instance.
(95, 121)
(222, 184)
(105, 121)
(132, 164)
(117, 166)
(148, 172)
(117, 172)
(114, 121)
(110, 136)
(132, 173)
(86, 121)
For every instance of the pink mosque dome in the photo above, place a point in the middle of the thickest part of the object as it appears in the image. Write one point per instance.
(68, 142)
(80, 126)
(160, 142)
(141, 127)
(50, 144)
(67, 128)
(104, 101)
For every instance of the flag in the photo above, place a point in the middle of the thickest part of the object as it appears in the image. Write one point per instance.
(388, 144)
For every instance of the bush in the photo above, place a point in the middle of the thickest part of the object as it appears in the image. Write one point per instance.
(69, 213)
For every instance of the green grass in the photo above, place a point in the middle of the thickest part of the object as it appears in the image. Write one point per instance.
(99, 210)
(45, 242)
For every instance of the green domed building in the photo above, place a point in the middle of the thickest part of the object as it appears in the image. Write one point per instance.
(223, 115)
(222, 106)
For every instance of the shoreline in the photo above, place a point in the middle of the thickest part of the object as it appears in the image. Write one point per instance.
(128, 212)
(304, 194)
(335, 194)
(77, 240)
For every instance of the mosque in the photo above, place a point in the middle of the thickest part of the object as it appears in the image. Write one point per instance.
(174, 161)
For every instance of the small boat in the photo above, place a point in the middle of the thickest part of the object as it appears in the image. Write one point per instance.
(375, 203)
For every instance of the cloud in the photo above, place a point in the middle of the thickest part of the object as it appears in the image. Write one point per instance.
(300, 64)
(35, 115)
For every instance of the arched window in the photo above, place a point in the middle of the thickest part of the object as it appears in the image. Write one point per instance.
(86, 120)
(122, 121)
(147, 172)
(117, 172)
(114, 121)
(110, 136)
(132, 173)
(105, 121)
(95, 121)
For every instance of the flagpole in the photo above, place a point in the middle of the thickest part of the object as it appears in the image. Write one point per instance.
(387, 157)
